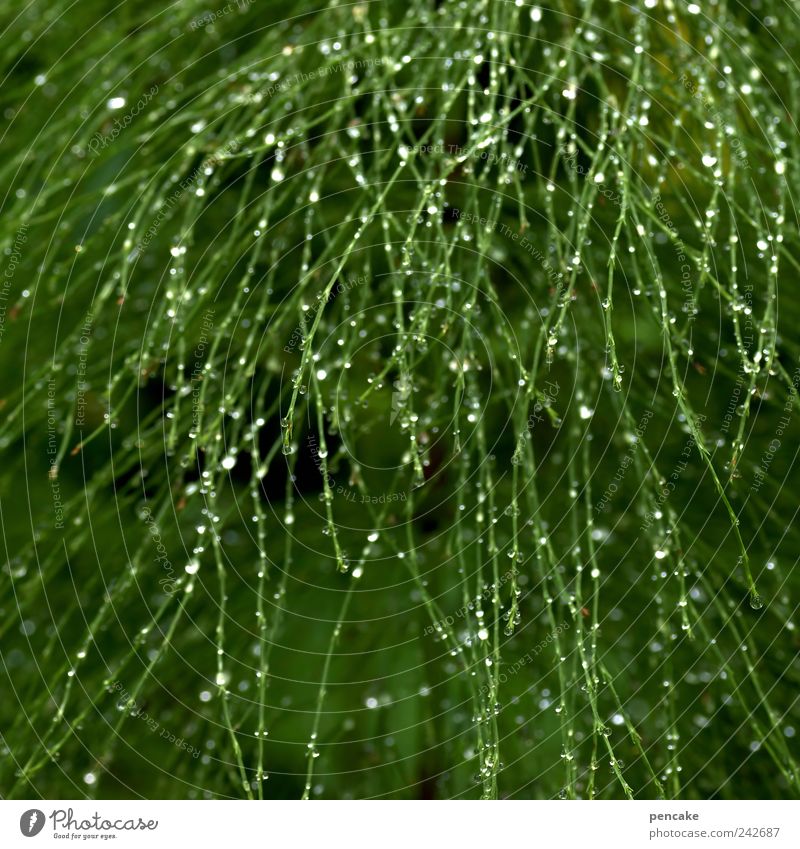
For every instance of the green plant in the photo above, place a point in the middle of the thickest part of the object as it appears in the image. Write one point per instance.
(403, 400)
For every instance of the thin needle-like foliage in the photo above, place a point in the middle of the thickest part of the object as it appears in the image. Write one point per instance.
(399, 400)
